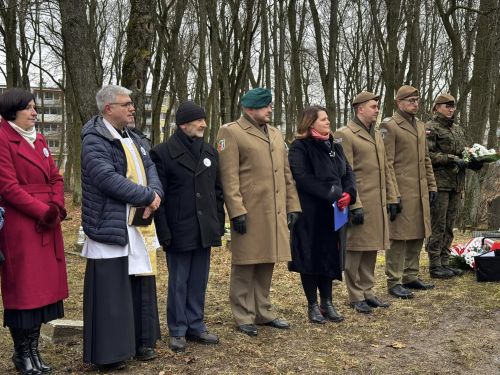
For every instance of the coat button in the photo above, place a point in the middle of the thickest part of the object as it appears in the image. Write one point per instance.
(199, 212)
(198, 195)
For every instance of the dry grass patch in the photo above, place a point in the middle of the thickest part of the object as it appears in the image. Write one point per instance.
(452, 329)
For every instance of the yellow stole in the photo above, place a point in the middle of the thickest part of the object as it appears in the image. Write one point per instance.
(148, 233)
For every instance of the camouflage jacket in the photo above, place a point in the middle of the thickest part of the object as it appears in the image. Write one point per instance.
(446, 142)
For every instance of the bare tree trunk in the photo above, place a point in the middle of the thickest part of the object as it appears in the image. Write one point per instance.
(327, 71)
(481, 82)
(138, 55)
(8, 12)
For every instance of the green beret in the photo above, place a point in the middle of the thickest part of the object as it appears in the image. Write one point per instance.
(257, 98)
(364, 96)
(406, 91)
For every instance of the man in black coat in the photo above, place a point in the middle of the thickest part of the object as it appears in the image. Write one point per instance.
(189, 221)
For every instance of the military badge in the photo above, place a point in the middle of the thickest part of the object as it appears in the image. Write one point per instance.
(383, 133)
(337, 140)
(221, 145)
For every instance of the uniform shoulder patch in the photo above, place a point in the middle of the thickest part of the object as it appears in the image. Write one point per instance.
(387, 119)
(221, 145)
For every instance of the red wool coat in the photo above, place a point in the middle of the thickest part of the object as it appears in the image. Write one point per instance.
(34, 272)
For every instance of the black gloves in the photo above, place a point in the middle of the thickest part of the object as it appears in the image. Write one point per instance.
(475, 165)
(240, 224)
(461, 164)
(433, 198)
(392, 210)
(400, 206)
(165, 243)
(357, 216)
(291, 219)
(334, 194)
(49, 220)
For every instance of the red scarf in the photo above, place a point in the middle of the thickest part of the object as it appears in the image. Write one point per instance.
(319, 136)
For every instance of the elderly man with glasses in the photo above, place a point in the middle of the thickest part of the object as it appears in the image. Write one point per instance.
(407, 154)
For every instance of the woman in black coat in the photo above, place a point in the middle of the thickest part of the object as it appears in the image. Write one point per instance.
(323, 176)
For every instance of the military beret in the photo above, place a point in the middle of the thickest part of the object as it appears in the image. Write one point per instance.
(257, 98)
(405, 92)
(443, 99)
(364, 96)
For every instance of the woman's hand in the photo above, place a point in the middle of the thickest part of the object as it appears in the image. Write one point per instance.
(344, 201)
(49, 220)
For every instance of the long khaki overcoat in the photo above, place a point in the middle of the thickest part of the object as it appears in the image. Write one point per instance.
(257, 181)
(409, 160)
(368, 160)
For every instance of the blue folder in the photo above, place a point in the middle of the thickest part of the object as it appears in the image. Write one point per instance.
(340, 217)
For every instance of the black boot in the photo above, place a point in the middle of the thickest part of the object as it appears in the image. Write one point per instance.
(329, 311)
(33, 337)
(22, 358)
(314, 314)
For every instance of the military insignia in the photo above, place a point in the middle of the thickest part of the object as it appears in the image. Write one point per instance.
(207, 162)
(221, 145)
(45, 152)
(387, 119)
(383, 133)
(337, 140)
(143, 151)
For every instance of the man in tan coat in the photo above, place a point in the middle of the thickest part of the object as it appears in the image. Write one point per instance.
(407, 153)
(364, 149)
(261, 200)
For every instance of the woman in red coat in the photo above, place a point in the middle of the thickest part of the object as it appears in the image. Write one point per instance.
(33, 275)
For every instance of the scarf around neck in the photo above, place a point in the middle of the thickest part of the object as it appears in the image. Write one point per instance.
(29, 135)
(319, 136)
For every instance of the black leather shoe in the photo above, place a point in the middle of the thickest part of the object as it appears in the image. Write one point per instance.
(375, 302)
(456, 271)
(277, 323)
(399, 291)
(177, 343)
(112, 366)
(315, 315)
(361, 307)
(143, 353)
(418, 285)
(204, 338)
(329, 311)
(441, 273)
(249, 329)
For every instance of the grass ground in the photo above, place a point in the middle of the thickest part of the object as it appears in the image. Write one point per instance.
(452, 329)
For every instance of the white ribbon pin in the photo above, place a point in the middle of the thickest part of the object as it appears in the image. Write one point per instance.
(45, 152)
(207, 162)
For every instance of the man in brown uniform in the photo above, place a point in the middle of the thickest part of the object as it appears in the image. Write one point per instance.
(364, 149)
(406, 148)
(261, 200)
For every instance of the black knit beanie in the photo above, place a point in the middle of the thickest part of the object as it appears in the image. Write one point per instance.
(187, 112)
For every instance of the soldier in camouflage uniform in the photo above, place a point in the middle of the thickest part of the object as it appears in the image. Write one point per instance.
(446, 142)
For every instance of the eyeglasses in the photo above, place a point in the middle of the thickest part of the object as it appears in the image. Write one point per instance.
(124, 105)
(412, 100)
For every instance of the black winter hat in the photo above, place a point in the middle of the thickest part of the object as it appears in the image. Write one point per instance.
(187, 112)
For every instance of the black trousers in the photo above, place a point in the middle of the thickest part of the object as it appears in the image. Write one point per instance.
(313, 283)
(187, 284)
(119, 311)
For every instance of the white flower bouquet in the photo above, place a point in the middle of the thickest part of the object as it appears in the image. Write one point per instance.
(480, 153)
(462, 255)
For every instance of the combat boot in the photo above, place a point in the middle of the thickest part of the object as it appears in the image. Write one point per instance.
(440, 272)
(456, 271)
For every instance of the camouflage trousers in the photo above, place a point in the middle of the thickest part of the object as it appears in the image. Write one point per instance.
(442, 220)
